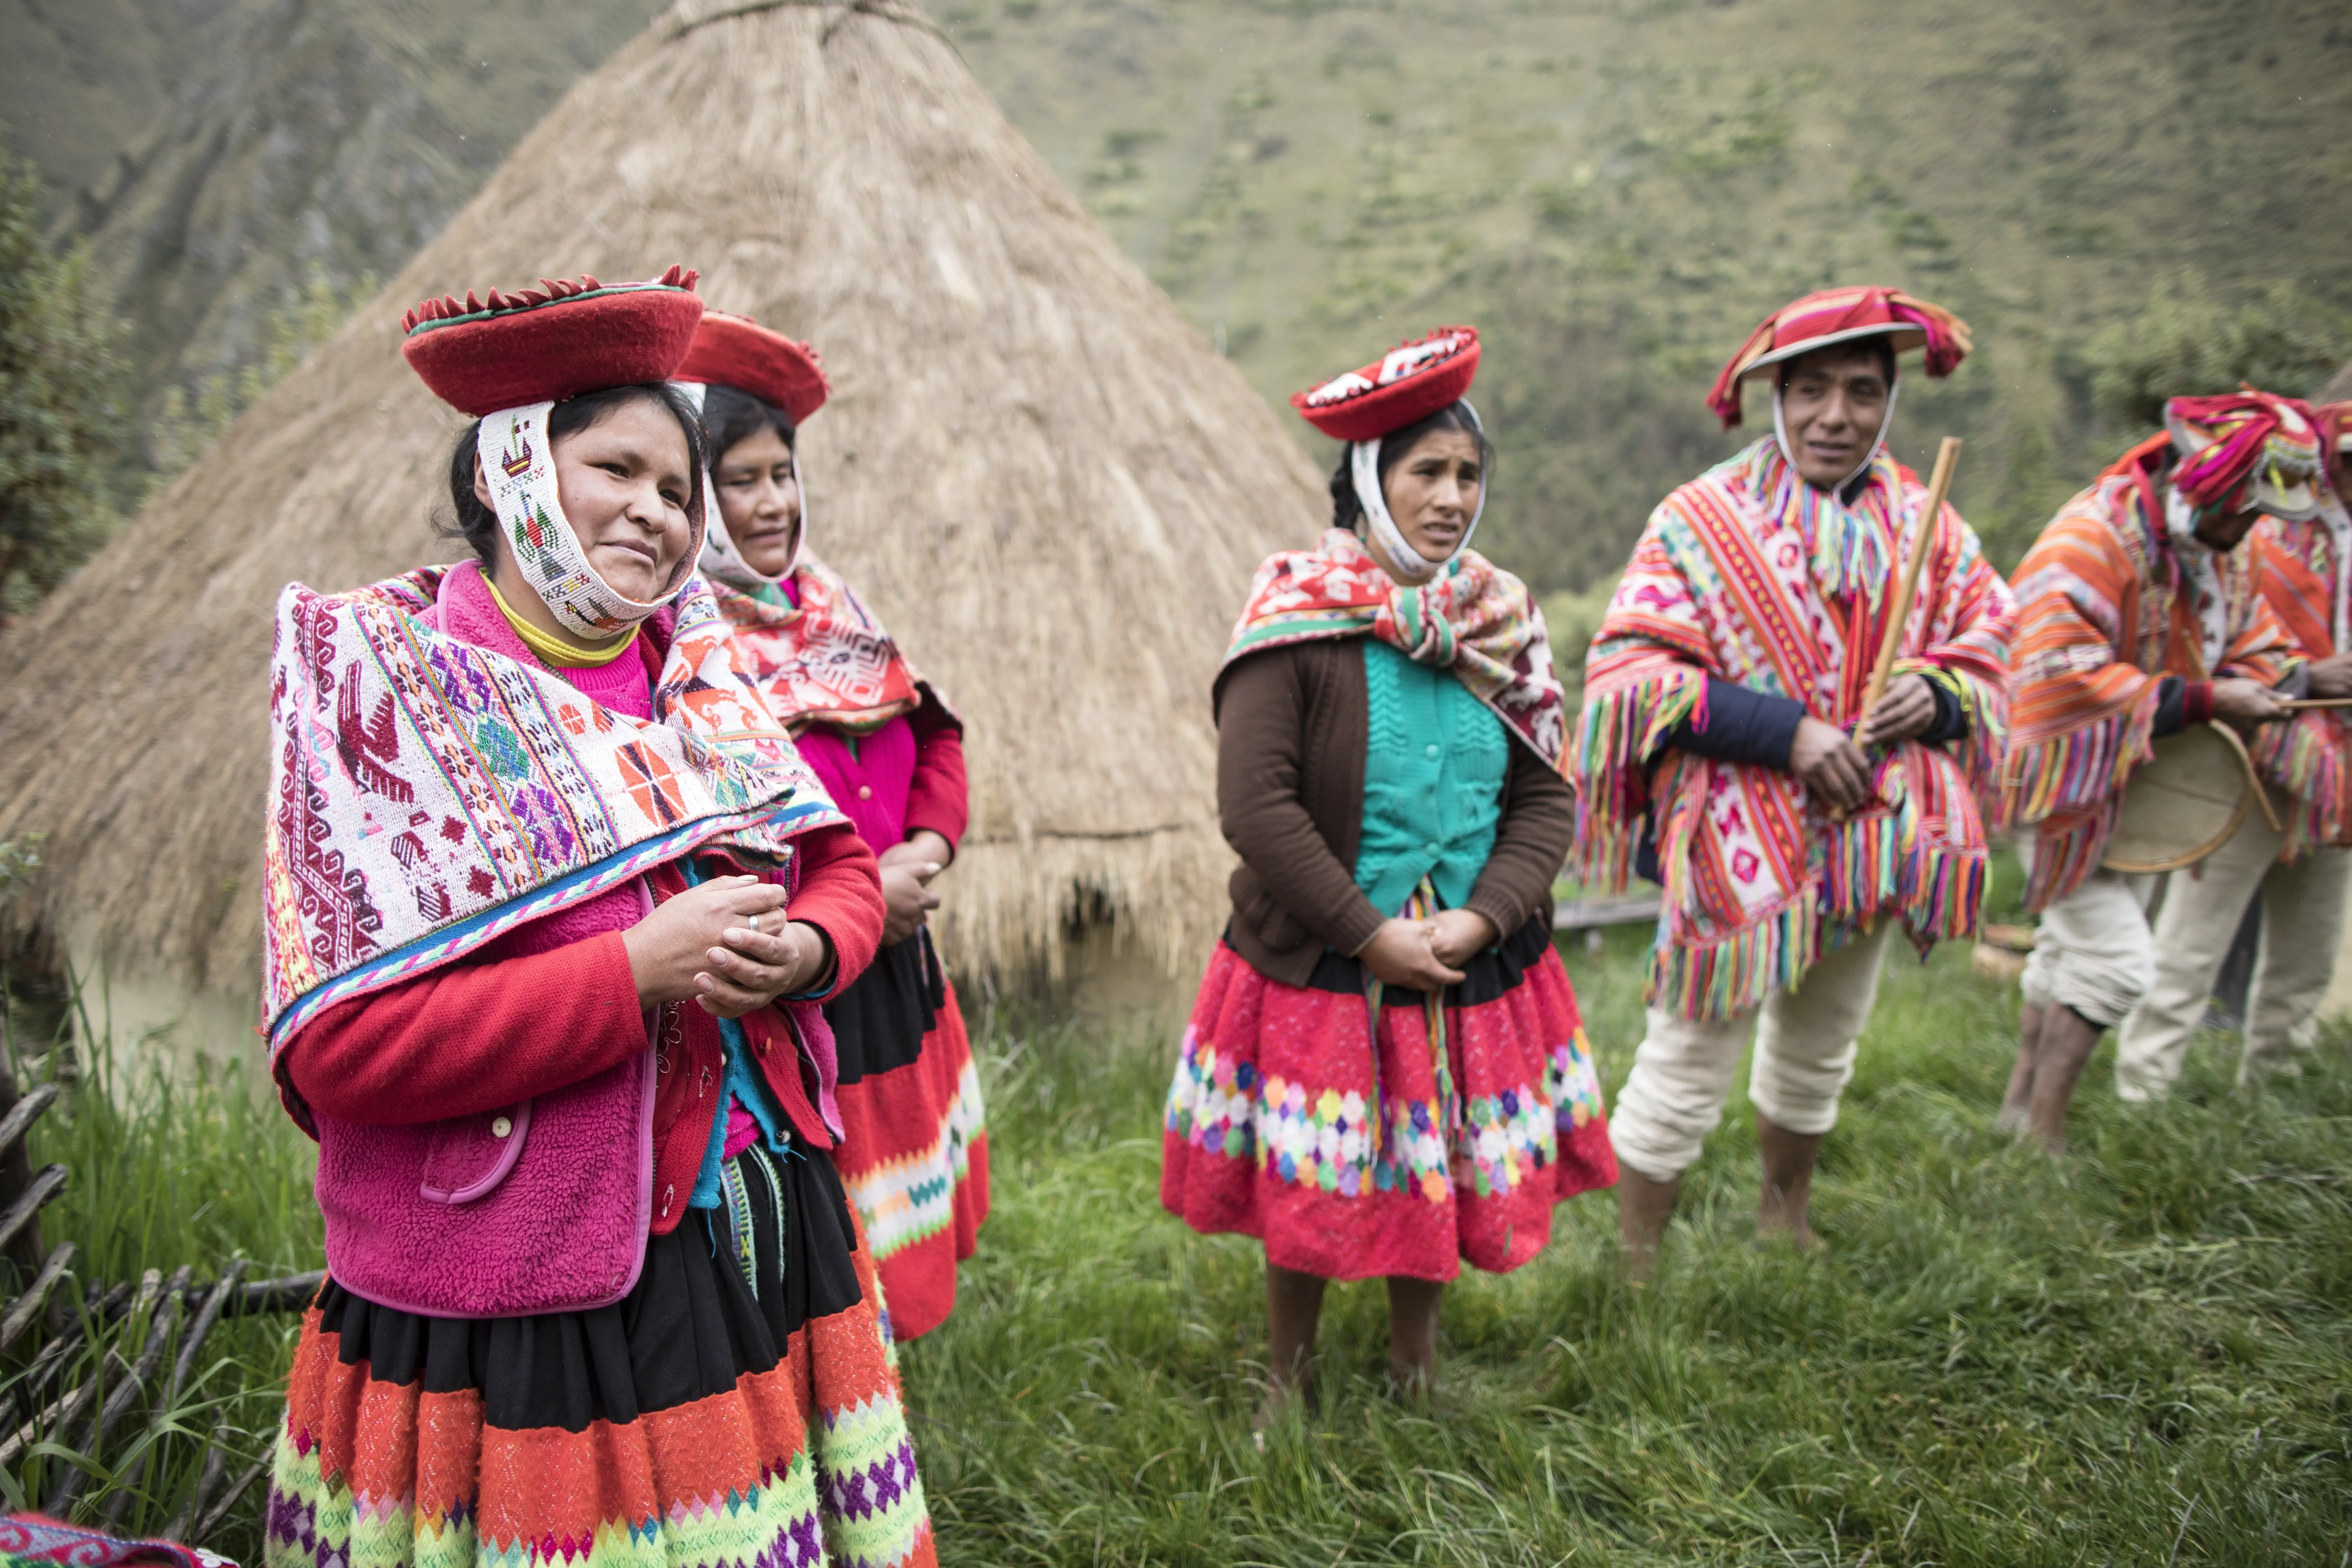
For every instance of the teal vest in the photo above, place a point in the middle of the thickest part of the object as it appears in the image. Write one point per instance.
(1434, 761)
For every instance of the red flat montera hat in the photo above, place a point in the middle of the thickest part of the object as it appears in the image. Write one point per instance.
(1838, 316)
(544, 344)
(735, 350)
(1408, 384)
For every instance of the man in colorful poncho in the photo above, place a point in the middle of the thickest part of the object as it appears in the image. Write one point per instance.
(1724, 740)
(2137, 617)
(2303, 571)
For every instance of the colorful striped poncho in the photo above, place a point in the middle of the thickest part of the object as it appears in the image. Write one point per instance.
(2105, 610)
(2303, 571)
(1750, 575)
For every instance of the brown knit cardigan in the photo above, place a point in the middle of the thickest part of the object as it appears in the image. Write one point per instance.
(1292, 725)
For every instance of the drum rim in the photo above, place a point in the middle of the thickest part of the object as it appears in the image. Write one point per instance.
(2181, 860)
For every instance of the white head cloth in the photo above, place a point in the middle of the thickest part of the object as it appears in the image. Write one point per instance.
(2203, 577)
(1885, 422)
(1364, 472)
(518, 462)
(721, 558)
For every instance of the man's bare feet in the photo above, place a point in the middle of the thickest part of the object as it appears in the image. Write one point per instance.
(2067, 1041)
(2017, 1102)
(1644, 1208)
(1784, 1206)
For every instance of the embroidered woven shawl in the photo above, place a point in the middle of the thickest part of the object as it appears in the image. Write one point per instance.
(824, 661)
(1741, 575)
(31, 1538)
(2104, 612)
(430, 795)
(2303, 571)
(1474, 618)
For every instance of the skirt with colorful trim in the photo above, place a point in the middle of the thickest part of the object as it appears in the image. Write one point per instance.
(914, 1149)
(718, 1414)
(1479, 1117)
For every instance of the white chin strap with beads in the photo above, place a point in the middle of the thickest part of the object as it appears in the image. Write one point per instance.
(518, 462)
(720, 559)
(1780, 429)
(1364, 470)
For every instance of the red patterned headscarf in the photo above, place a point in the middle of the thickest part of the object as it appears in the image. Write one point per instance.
(2245, 449)
(2334, 422)
(1842, 315)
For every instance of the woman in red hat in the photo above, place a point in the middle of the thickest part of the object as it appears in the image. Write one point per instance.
(551, 903)
(1385, 1073)
(914, 1156)
(1726, 754)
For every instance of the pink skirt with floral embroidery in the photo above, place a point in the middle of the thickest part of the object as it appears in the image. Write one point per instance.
(1278, 1126)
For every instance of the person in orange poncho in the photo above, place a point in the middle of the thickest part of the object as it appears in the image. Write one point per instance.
(2137, 617)
(2303, 571)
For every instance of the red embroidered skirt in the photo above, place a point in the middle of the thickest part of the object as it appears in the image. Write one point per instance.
(914, 1151)
(719, 1413)
(1278, 1127)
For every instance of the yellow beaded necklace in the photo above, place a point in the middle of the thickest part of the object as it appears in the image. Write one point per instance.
(552, 650)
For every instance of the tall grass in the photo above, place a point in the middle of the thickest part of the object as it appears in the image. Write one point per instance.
(2140, 1354)
(175, 1160)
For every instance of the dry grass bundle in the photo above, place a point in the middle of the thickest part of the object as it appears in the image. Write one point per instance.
(1047, 484)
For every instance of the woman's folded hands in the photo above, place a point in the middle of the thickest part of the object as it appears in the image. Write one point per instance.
(703, 946)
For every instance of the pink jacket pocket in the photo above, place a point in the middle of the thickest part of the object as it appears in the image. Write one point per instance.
(470, 1155)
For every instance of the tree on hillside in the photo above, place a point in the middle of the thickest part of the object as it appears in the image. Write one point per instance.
(2189, 342)
(59, 423)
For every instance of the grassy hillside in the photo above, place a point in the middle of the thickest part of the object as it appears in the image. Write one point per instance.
(268, 152)
(1613, 190)
(1616, 192)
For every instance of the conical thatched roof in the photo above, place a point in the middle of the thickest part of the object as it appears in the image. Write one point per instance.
(2340, 385)
(1048, 485)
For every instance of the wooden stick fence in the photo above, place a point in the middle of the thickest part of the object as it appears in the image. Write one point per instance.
(65, 1396)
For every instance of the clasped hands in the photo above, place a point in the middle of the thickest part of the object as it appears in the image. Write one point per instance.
(907, 872)
(703, 946)
(1834, 767)
(1426, 955)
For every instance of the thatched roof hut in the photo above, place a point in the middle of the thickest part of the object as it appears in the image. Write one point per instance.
(1051, 487)
(2340, 385)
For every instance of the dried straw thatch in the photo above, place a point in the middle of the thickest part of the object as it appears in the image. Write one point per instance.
(2340, 385)
(1049, 484)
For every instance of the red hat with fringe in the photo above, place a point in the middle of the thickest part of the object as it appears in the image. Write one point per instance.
(544, 344)
(735, 350)
(1838, 316)
(1408, 384)
(2247, 450)
(2334, 422)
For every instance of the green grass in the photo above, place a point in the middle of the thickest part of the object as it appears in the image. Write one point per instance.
(2143, 1354)
(2002, 1360)
(197, 1166)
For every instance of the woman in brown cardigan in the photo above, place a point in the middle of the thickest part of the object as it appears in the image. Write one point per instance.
(1390, 757)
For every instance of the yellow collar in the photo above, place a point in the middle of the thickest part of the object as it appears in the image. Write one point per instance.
(552, 650)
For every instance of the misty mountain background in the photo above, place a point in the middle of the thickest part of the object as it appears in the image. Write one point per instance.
(2122, 200)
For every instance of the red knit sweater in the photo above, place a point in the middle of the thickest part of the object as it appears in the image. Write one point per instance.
(472, 1037)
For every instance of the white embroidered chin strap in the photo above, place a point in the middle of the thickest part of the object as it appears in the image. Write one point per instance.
(1364, 470)
(2198, 564)
(519, 463)
(1885, 423)
(2338, 522)
(721, 558)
